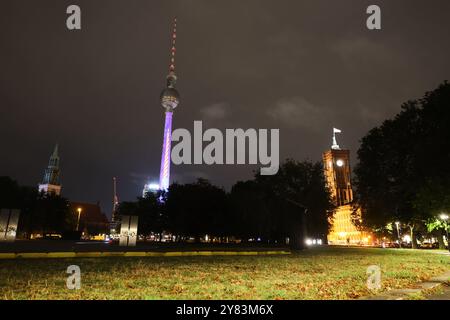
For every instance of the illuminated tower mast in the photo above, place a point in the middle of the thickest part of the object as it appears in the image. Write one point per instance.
(169, 100)
(115, 201)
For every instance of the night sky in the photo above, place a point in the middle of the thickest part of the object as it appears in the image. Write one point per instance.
(300, 66)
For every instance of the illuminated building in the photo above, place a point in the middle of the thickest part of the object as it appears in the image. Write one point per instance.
(336, 162)
(150, 187)
(170, 99)
(50, 183)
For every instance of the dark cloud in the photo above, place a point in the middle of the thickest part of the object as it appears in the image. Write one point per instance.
(301, 66)
(296, 113)
(215, 111)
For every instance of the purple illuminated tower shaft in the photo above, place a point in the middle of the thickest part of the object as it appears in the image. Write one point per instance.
(164, 175)
(170, 98)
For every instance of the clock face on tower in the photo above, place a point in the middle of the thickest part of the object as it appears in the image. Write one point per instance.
(338, 175)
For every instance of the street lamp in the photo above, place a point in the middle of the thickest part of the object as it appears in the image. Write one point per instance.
(78, 221)
(398, 234)
(444, 217)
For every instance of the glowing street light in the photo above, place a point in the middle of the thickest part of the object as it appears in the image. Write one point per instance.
(79, 214)
(397, 223)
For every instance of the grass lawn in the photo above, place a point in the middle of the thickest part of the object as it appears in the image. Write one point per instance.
(320, 273)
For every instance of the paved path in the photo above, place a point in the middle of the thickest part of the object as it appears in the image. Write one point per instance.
(440, 283)
(443, 295)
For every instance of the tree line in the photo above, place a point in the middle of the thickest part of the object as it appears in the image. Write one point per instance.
(292, 204)
(403, 174)
(39, 213)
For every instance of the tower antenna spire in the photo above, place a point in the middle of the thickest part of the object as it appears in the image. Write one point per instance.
(115, 201)
(173, 50)
(170, 98)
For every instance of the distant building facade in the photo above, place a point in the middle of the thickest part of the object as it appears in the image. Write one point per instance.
(50, 183)
(337, 171)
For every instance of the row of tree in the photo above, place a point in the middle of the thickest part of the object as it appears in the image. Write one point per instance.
(291, 204)
(403, 172)
(403, 175)
(39, 213)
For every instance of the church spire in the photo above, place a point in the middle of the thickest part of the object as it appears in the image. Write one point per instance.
(51, 175)
(54, 158)
(50, 182)
(55, 151)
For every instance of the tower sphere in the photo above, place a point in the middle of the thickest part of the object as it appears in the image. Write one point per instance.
(170, 98)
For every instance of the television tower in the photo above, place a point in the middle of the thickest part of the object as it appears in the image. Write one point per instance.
(170, 98)
(115, 201)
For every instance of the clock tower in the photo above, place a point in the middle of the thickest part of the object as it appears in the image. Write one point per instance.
(338, 175)
(337, 172)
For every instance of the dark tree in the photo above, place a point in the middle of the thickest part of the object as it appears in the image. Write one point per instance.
(403, 172)
(268, 207)
(149, 211)
(293, 203)
(249, 215)
(196, 209)
(299, 200)
(51, 214)
(39, 213)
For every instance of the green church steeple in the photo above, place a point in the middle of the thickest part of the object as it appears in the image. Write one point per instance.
(50, 183)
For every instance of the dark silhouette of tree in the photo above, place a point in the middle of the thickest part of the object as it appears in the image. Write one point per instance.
(13, 196)
(299, 202)
(403, 172)
(39, 213)
(51, 214)
(270, 208)
(293, 203)
(149, 211)
(196, 209)
(249, 215)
